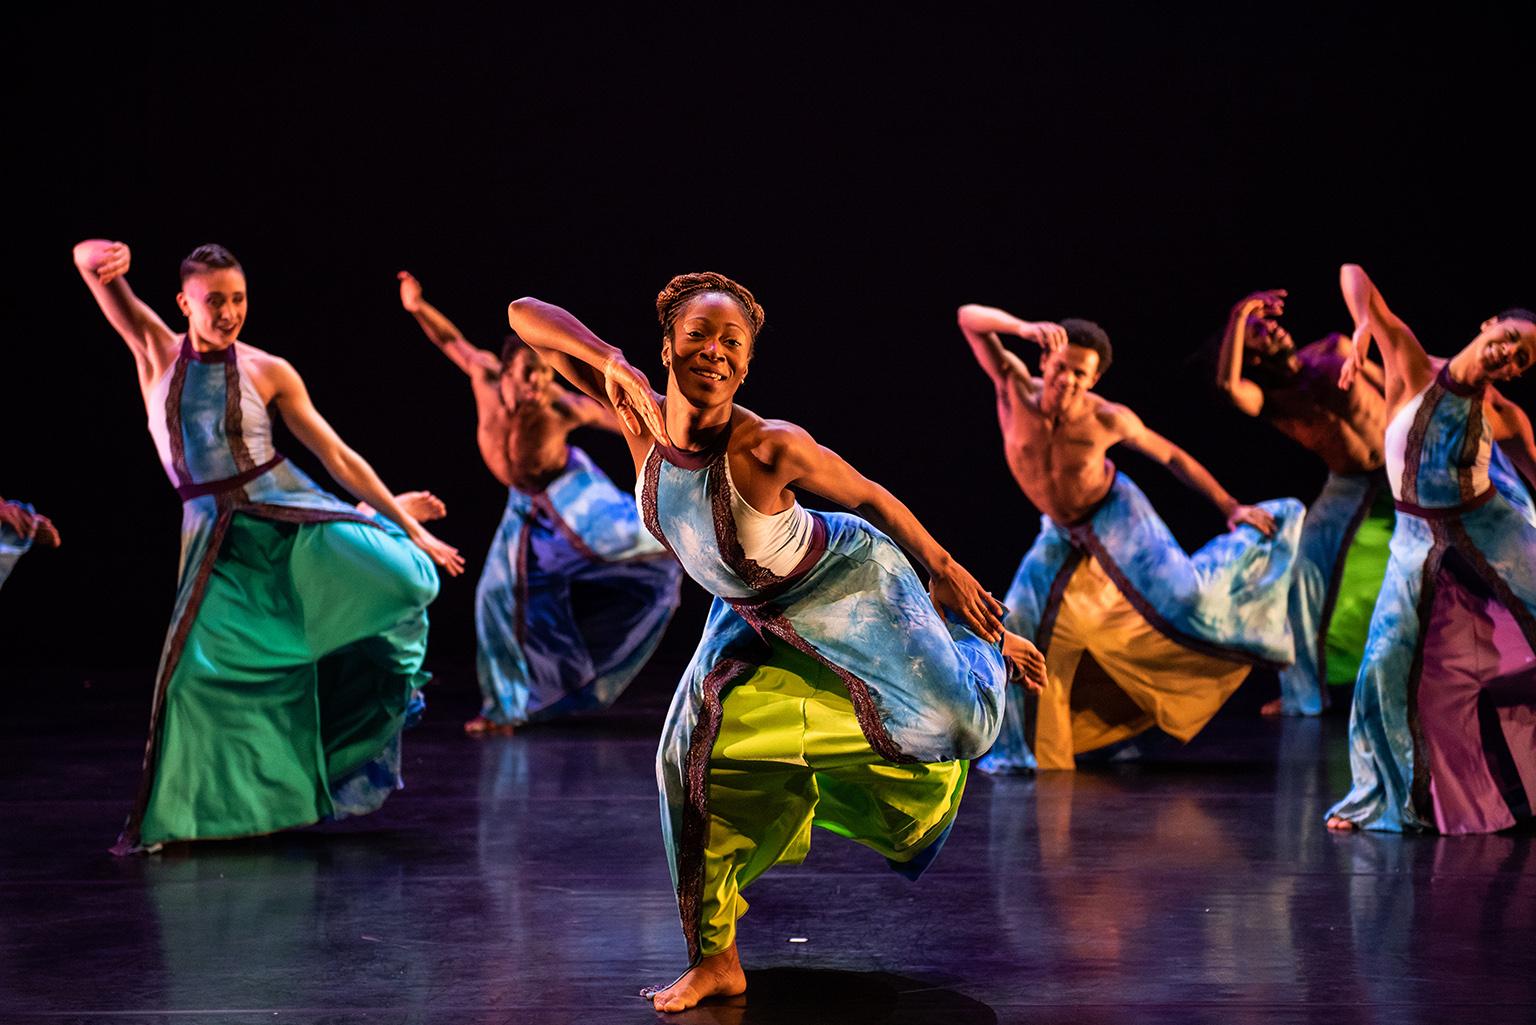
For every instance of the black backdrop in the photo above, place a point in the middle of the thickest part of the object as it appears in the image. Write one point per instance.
(863, 172)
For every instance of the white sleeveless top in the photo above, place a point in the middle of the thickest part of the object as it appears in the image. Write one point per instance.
(777, 542)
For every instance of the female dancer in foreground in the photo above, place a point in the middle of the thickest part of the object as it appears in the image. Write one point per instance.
(299, 628)
(827, 687)
(1443, 729)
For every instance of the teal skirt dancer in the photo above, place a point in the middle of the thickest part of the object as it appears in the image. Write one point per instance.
(294, 654)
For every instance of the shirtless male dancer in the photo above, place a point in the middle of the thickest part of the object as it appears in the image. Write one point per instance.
(1173, 634)
(575, 593)
(1343, 551)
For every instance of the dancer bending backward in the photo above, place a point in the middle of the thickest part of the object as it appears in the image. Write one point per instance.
(20, 527)
(299, 628)
(1343, 549)
(1135, 632)
(575, 595)
(1443, 729)
(827, 688)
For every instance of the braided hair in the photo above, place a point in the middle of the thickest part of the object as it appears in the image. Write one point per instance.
(671, 300)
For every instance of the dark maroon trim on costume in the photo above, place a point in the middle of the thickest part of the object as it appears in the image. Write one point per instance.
(521, 590)
(1470, 443)
(293, 514)
(1418, 787)
(1413, 445)
(1447, 512)
(696, 459)
(234, 416)
(695, 831)
(128, 840)
(215, 487)
(1456, 534)
(753, 574)
(1047, 624)
(173, 420)
(1444, 379)
(224, 355)
(1091, 541)
(651, 476)
(813, 552)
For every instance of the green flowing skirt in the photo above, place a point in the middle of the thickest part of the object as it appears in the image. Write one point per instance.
(295, 680)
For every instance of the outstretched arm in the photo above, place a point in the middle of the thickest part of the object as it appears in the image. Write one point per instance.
(981, 326)
(591, 364)
(474, 361)
(1137, 435)
(1245, 395)
(350, 469)
(801, 462)
(31, 526)
(1512, 429)
(1407, 364)
(104, 266)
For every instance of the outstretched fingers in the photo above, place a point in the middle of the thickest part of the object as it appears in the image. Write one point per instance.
(1026, 663)
(446, 556)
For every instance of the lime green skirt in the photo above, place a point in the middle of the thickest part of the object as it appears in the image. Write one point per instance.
(789, 756)
(286, 705)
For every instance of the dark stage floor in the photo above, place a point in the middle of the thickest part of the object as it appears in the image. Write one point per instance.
(522, 880)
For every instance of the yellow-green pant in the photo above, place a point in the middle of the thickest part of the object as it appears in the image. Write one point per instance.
(790, 755)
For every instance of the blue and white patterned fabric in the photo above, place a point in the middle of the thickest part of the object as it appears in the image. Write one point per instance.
(924, 689)
(1228, 599)
(573, 600)
(1443, 438)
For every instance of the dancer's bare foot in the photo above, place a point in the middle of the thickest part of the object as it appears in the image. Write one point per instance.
(1341, 825)
(480, 726)
(421, 506)
(718, 975)
(1273, 709)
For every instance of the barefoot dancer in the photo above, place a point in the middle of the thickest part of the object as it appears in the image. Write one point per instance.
(1443, 729)
(1342, 555)
(1148, 635)
(827, 688)
(575, 595)
(20, 527)
(299, 628)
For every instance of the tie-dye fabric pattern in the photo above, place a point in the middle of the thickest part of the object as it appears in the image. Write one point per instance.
(573, 600)
(1492, 533)
(1228, 599)
(924, 688)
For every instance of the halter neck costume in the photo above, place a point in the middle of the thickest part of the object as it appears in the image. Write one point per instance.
(283, 588)
(922, 688)
(1434, 743)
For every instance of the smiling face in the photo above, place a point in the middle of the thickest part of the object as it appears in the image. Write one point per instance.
(526, 379)
(708, 349)
(214, 304)
(1068, 374)
(1505, 348)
